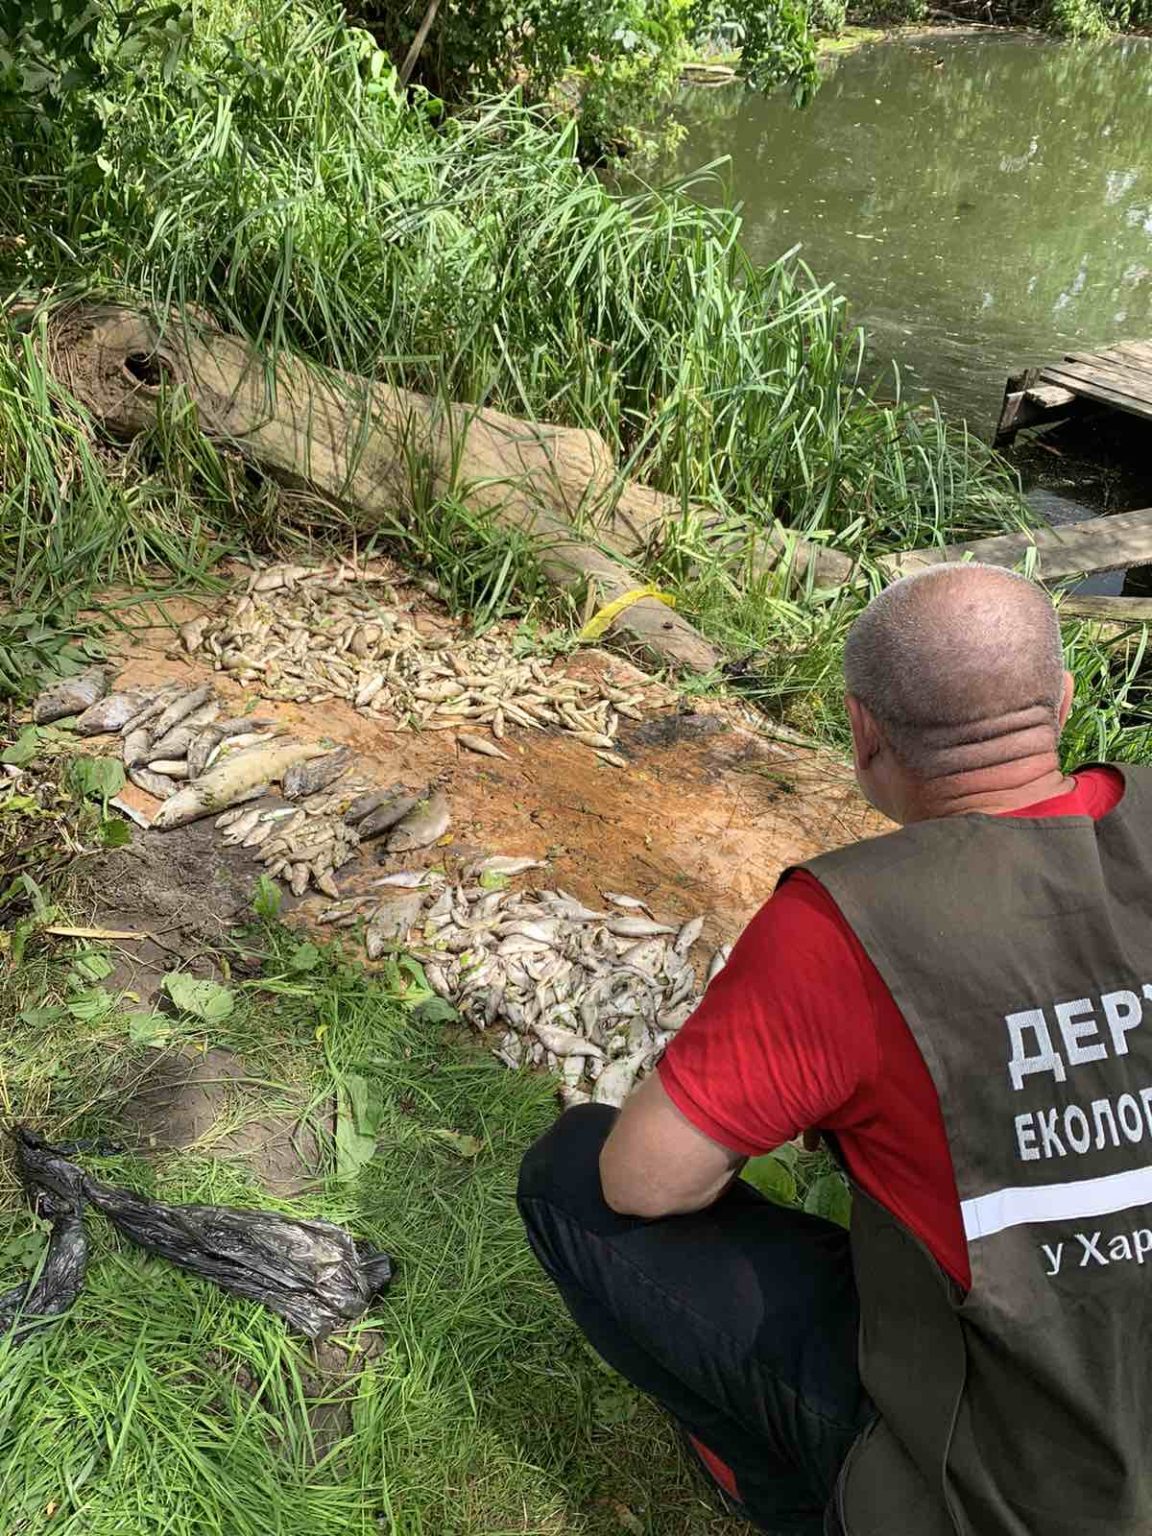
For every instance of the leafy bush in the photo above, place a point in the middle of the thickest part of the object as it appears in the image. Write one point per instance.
(887, 13)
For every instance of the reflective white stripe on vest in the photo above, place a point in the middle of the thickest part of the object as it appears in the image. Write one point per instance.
(1016, 1207)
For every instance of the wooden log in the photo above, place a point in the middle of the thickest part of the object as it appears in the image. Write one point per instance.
(1111, 610)
(376, 450)
(1073, 549)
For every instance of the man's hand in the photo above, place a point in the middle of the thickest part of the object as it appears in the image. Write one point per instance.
(655, 1163)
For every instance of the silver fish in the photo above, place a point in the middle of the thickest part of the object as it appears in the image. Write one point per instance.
(194, 699)
(387, 815)
(564, 1042)
(137, 747)
(616, 1080)
(719, 961)
(688, 935)
(70, 696)
(636, 927)
(310, 777)
(503, 865)
(152, 784)
(629, 903)
(424, 824)
(109, 713)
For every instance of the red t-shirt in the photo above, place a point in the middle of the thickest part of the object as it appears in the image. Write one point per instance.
(798, 1032)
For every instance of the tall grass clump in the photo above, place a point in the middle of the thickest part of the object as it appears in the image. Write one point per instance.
(279, 180)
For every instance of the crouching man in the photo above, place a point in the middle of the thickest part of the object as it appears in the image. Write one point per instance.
(964, 1008)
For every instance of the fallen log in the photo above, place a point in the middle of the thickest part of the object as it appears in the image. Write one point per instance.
(377, 450)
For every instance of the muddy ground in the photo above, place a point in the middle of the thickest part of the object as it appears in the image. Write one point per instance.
(703, 819)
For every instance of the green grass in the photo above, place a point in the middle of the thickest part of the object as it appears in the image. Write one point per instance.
(160, 1405)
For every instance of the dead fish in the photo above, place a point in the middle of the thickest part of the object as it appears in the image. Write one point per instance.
(368, 690)
(615, 1082)
(411, 879)
(311, 777)
(154, 708)
(369, 801)
(241, 824)
(613, 759)
(629, 903)
(480, 745)
(137, 746)
(170, 767)
(636, 927)
(688, 935)
(390, 924)
(180, 708)
(501, 864)
(564, 1042)
(387, 815)
(223, 785)
(70, 696)
(718, 962)
(424, 824)
(192, 632)
(298, 877)
(175, 743)
(153, 784)
(109, 713)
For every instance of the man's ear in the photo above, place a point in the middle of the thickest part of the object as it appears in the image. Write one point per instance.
(867, 741)
(1066, 701)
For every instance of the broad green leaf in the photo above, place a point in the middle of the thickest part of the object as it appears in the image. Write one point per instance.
(90, 1006)
(92, 965)
(115, 832)
(206, 1000)
(831, 1198)
(435, 1010)
(98, 778)
(24, 748)
(50, 1013)
(772, 1178)
(492, 880)
(358, 1116)
(305, 957)
(147, 1027)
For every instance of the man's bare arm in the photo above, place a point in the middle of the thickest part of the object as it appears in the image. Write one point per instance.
(656, 1163)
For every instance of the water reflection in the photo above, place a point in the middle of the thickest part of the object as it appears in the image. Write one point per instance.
(984, 201)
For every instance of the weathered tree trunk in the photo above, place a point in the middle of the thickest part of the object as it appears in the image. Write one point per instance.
(375, 449)
(378, 451)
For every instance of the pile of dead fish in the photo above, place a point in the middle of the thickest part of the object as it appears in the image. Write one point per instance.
(309, 635)
(593, 994)
(177, 748)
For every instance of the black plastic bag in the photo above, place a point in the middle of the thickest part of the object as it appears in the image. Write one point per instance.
(312, 1273)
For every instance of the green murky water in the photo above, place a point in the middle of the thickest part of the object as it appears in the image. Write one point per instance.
(984, 201)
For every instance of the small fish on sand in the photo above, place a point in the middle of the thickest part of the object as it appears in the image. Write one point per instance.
(71, 696)
(108, 714)
(425, 824)
(479, 744)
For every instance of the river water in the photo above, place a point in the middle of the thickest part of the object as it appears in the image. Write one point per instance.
(984, 200)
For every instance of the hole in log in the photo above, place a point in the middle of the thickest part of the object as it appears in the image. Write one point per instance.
(147, 368)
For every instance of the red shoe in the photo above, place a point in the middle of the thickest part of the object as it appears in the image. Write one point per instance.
(719, 1471)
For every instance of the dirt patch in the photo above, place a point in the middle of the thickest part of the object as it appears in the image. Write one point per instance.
(205, 1100)
(703, 819)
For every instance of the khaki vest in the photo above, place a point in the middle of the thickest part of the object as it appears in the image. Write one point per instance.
(1020, 953)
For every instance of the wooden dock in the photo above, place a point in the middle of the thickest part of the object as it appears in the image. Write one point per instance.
(1117, 377)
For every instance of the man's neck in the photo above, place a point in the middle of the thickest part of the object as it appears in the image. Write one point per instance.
(993, 790)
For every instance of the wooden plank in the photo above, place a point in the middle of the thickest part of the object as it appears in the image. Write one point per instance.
(1051, 397)
(1115, 610)
(1135, 351)
(1115, 373)
(1091, 391)
(1074, 549)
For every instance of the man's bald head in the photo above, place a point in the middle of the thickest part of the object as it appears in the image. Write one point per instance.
(960, 666)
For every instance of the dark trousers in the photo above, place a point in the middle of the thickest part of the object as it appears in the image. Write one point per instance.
(741, 1319)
